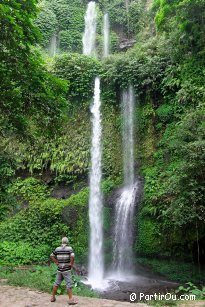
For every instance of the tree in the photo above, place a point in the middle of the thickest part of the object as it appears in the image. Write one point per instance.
(186, 19)
(27, 91)
(31, 99)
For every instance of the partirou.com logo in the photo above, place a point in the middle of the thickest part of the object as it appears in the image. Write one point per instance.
(161, 297)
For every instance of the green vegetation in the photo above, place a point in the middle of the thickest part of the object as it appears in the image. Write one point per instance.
(175, 270)
(191, 289)
(24, 99)
(22, 253)
(63, 18)
(79, 71)
(42, 278)
(41, 225)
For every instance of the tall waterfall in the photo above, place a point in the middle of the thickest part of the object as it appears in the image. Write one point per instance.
(124, 209)
(53, 45)
(96, 268)
(106, 33)
(89, 36)
(96, 259)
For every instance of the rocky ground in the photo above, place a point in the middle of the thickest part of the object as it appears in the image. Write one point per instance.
(24, 297)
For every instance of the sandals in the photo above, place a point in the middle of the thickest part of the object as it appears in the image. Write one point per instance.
(53, 299)
(72, 302)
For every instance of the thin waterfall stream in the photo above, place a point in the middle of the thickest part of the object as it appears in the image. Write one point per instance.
(96, 259)
(125, 204)
(89, 36)
(53, 45)
(106, 34)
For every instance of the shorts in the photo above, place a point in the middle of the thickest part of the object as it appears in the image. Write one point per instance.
(64, 275)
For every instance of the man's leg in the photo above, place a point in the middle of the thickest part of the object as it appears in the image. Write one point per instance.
(59, 278)
(70, 294)
(53, 297)
(68, 279)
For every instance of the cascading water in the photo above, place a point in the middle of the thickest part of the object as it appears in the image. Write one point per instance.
(124, 209)
(96, 261)
(89, 36)
(96, 268)
(106, 35)
(127, 5)
(53, 45)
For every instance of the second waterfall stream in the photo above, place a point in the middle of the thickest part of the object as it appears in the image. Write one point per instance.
(125, 204)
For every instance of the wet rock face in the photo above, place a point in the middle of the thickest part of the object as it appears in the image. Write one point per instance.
(70, 216)
(61, 192)
(111, 199)
(109, 231)
(126, 44)
(124, 290)
(65, 190)
(81, 270)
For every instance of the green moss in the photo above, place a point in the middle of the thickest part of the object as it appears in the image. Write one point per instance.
(78, 223)
(174, 270)
(148, 237)
(80, 71)
(112, 147)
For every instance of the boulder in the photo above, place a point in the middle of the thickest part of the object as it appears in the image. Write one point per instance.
(126, 44)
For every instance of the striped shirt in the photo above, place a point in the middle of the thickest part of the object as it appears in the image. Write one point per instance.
(63, 255)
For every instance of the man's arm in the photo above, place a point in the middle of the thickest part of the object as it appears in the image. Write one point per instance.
(53, 258)
(72, 259)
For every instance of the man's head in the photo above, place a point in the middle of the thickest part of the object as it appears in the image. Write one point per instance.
(65, 240)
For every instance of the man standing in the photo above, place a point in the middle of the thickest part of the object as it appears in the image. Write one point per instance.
(63, 256)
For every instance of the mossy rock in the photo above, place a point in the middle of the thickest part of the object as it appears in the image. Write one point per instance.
(149, 238)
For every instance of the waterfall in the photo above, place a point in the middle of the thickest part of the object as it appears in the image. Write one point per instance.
(127, 6)
(106, 35)
(96, 259)
(124, 208)
(96, 267)
(53, 45)
(89, 36)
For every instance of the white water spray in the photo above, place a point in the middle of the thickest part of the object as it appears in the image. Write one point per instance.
(106, 32)
(124, 209)
(96, 268)
(53, 45)
(89, 36)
